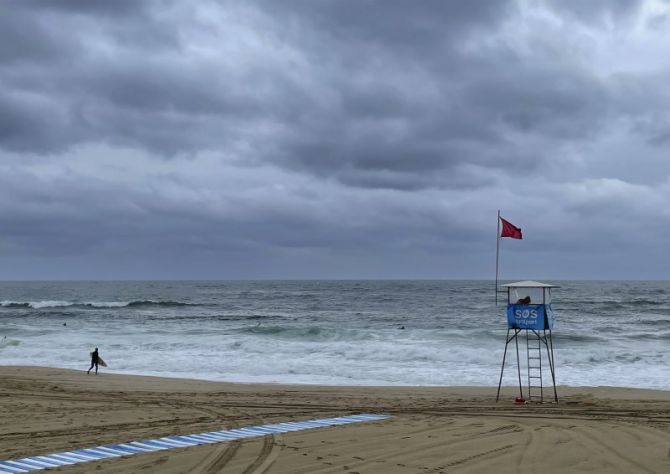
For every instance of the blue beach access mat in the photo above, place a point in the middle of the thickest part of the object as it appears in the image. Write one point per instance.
(77, 456)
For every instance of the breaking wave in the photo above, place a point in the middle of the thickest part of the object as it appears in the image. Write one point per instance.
(92, 304)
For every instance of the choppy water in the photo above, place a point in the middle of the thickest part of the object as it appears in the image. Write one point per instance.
(331, 332)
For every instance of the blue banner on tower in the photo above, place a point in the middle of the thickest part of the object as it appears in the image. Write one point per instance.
(530, 316)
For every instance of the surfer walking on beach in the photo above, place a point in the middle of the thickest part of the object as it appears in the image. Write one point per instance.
(95, 359)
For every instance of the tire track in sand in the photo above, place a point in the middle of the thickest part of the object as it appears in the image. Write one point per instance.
(615, 457)
(529, 441)
(267, 457)
(217, 459)
(220, 457)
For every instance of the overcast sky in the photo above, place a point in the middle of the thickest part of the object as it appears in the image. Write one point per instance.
(334, 139)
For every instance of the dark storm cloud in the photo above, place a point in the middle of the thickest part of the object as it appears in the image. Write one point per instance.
(343, 86)
(371, 24)
(19, 39)
(80, 7)
(134, 94)
(290, 131)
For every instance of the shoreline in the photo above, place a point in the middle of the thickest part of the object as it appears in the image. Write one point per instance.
(47, 410)
(613, 390)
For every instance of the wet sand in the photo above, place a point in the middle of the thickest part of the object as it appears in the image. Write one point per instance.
(432, 430)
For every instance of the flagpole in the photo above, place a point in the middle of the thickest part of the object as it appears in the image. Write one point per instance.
(497, 253)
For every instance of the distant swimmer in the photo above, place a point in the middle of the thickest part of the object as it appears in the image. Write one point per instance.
(95, 359)
(525, 300)
(401, 327)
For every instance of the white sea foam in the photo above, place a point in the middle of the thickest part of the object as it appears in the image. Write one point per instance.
(92, 304)
(63, 304)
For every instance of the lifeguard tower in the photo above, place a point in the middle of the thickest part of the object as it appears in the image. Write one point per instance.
(529, 310)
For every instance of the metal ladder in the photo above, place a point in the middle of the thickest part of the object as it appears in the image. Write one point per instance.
(534, 364)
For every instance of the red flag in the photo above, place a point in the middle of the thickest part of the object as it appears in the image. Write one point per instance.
(510, 230)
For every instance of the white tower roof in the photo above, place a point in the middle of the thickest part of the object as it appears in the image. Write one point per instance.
(529, 284)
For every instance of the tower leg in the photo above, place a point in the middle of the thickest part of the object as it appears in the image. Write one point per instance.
(518, 361)
(502, 369)
(550, 356)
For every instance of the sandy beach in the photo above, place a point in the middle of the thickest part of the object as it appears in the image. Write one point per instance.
(432, 430)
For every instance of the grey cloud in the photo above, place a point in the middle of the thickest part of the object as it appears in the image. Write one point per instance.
(160, 104)
(287, 132)
(24, 37)
(545, 101)
(370, 24)
(599, 11)
(452, 104)
(87, 7)
(33, 122)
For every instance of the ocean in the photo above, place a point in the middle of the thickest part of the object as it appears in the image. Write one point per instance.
(430, 333)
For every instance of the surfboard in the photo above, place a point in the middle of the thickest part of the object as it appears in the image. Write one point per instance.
(100, 361)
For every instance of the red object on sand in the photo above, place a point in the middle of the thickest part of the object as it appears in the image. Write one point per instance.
(510, 230)
(519, 400)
